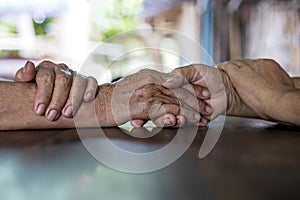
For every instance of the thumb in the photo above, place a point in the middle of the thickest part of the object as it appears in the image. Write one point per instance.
(138, 123)
(188, 74)
(26, 73)
(174, 79)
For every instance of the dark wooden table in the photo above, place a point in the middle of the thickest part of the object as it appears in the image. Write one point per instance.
(253, 159)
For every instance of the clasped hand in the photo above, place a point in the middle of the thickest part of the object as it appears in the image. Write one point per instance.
(138, 97)
(193, 95)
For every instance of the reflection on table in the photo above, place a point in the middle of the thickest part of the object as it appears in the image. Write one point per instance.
(253, 159)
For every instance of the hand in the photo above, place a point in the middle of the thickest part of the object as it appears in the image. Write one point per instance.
(204, 77)
(265, 87)
(56, 84)
(147, 82)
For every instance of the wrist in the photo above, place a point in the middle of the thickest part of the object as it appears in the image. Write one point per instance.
(103, 105)
(235, 105)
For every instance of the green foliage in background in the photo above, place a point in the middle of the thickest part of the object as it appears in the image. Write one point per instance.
(42, 28)
(115, 16)
(7, 26)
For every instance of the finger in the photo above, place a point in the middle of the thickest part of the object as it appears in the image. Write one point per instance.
(200, 92)
(91, 89)
(192, 102)
(188, 74)
(194, 90)
(45, 83)
(190, 116)
(180, 120)
(159, 109)
(26, 73)
(228, 67)
(138, 123)
(203, 121)
(63, 81)
(235, 72)
(75, 96)
(167, 120)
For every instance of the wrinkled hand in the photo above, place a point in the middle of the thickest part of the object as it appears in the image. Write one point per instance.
(147, 83)
(205, 77)
(56, 84)
(265, 87)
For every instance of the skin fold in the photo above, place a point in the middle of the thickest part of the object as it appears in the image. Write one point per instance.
(266, 88)
(253, 88)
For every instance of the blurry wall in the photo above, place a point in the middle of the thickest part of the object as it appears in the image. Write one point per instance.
(69, 30)
(258, 29)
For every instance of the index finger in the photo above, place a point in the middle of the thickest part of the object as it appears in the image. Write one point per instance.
(45, 84)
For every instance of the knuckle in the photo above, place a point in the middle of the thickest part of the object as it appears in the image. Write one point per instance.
(63, 80)
(45, 79)
(63, 66)
(80, 81)
(93, 81)
(225, 65)
(57, 102)
(270, 61)
(145, 71)
(46, 63)
(149, 80)
(44, 98)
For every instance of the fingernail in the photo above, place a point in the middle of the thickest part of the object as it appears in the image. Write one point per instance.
(204, 121)
(88, 95)
(69, 111)
(136, 125)
(40, 110)
(168, 121)
(205, 93)
(208, 109)
(197, 117)
(25, 68)
(52, 115)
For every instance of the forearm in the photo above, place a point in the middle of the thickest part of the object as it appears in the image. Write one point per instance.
(16, 111)
(296, 82)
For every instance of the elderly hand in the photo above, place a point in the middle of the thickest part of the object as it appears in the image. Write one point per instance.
(223, 96)
(266, 88)
(204, 77)
(56, 84)
(190, 107)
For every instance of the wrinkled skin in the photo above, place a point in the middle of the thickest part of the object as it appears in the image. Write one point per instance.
(248, 88)
(55, 85)
(253, 88)
(266, 88)
(205, 77)
(146, 85)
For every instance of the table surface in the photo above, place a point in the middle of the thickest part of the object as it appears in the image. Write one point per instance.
(252, 159)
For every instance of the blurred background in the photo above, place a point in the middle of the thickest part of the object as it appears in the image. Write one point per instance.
(69, 30)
